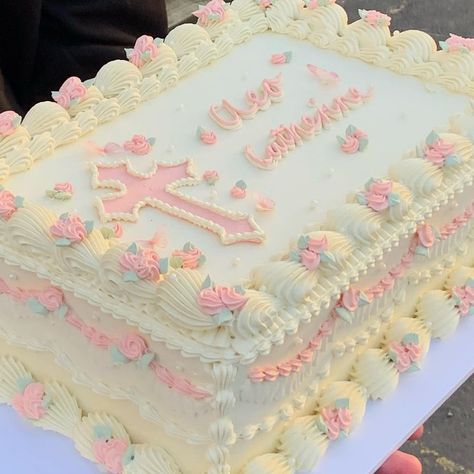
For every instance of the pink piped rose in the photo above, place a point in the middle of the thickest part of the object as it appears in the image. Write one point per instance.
(29, 404)
(9, 122)
(265, 204)
(457, 43)
(312, 4)
(375, 18)
(378, 195)
(110, 453)
(51, 298)
(439, 151)
(426, 236)
(214, 299)
(239, 190)
(404, 354)
(138, 145)
(133, 346)
(464, 298)
(311, 251)
(8, 204)
(70, 92)
(189, 257)
(281, 58)
(145, 263)
(208, 137)
(64, 187)
(336, 420)
(210, 177)
(69, 229)
(144, 50)
(212, 11)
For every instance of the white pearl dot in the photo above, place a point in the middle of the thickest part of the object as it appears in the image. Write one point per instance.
(181, 107)
(236, 261)
(171, 148)
(330, 172)
(213, 195)
(314, 203)
(12, 276)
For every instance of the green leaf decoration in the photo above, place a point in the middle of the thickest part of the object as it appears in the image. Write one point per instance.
(342, 435)
(303, 242)
(23, 382)
(158, 41)
(288, 55)
(133, 248)
(175, 261)
(202, 260)
(130, 277)
(363, 143)
(342, 403)
(188, 246)
(117, 356)
(392, 355)
(294, 256)
(19, 201)
(363, 299)
(361, 199)
(145, 360)
(89, 225)
(340, 140)
(350, 130)
(432, 138)
(444, 46)
(62, 311)
(103, 432)
(414, 367)
(35, 306)
(241, 184)
(207, 283)
(164, 265)
(62, 242)
(470, 282)
(393, 199)
(471, 311)
(107, 233)
(128, 52)
(420, 250)
(151, 140)
(47, 400)
(452, 160)
(239, 289)
(327, 257)
(410, 338)
(321, 425)
(64, 216)
(224, 316)
(344, 314)
(128, 455)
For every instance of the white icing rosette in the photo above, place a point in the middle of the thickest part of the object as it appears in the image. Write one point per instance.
(304, 442)
(376, 372)
(438, 311)
(272, 463)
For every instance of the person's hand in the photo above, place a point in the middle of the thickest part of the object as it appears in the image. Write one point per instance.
(403, 463)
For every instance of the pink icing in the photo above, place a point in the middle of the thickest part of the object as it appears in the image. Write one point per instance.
(438, 152)
(336, 420)
(426, 235)
(351, 145)
(324, 76)
(279, 58)
(141, 191)
(350, 299)
(191, 257)
(118, 229)
(465, 299)
(406, 354)
(144, 50)
(377, 194)
(64, 187)
(51, 298)
(7, 204)
(9, 121)
(72, 90)
(70, 227)
(109, 453)
(145, 263)
(210, 176)
(208, 137)
(133, 346)
(311, 255)
(213, 300)
(458, 43)
(375, 18)
(264, 3)
(238, 193)
(265, 204)
(312, 4)
(29, 404)
(213, 10)
(138, 145)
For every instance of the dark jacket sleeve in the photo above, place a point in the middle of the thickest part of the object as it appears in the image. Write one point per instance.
(73, 38)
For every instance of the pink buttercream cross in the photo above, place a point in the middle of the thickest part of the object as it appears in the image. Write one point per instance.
(160, 189)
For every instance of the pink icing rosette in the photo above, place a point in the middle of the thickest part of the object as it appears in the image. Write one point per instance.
(8, 205)
(439, 152)
(64, 187)
(70, 92)
(378, 195)
(208, 137)
(375, 18)
(29, 404)
(281, 58)
(133, 346)
(210, 177)
(138, 145)
(464, 297)
(145, 263)
(9, 121)
(264, 4)
(109, 453)
(404, 354)
(336, 421)
(213, 10)
(312, 4)
(69, 227)
(189, 257)
(265, 204)
(311, 251)
(239, 190)
(217, 298)
(51, 298)
(354, 141)
(457, 43)
(144, 50)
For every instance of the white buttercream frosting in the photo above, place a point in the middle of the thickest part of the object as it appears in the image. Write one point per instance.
(422, 177)
(272, 463)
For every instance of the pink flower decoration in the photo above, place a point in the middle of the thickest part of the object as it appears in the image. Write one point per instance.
(133, 346)
(9, 121)
(312, 4)
(336, 420)
(51, 298)
(426, 235)
(69, 227)
(354, 141)
(264, 4)
(210, 177)
(438, 152)
(64, 187)
(406, 354)
(464, 296)
(377, 194)
(71, 91)
(208, 137)
(29, 404)
(213, 300)
(350, 299)
(117, 229)
(238, 193)
(457, 43)
(109, 453)
(214, 10)
(145, 50)
(145, 263)
(138, 145)
(8, 204)
(281, 58)
(375, 18)
(310, 250)
(190, 256)
(265, 204)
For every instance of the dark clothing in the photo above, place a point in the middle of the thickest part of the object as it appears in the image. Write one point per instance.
(43, 42)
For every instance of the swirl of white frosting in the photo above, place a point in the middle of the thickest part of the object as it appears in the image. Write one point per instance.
(438, 311)
(42, 146)
(168, 77)
(325, 24)
(67, 132)
(84, 433)
(456, 62)
(187, 64)
(28, 231)
(116, 77)
(251, 14)
(421, 176)
(11, 370)
(223, 44)
(374, 371)
(402, 326)
(186, 39)
(216, 28)
(304, 442)
(463, 124)
(18, 160)
(166, 58)
(459, 277)
(206, 54)
(18, 139)
(84, 258)
(176, 297)
(107, 110)
(45, 117)
(240, 32)
(359, 222)
(428, 71)
(90, 100)
(149, 88)
(287, 280)
(151, 460)
(355, 393)
(4, 171)
(271, 463)
(298, 29)
(86, 120)
(281, 13)
(129, 99)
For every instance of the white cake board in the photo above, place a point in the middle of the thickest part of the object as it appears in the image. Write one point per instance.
(25, 449)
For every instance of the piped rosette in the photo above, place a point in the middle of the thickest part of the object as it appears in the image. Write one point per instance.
(356, 140)
(9, 205)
